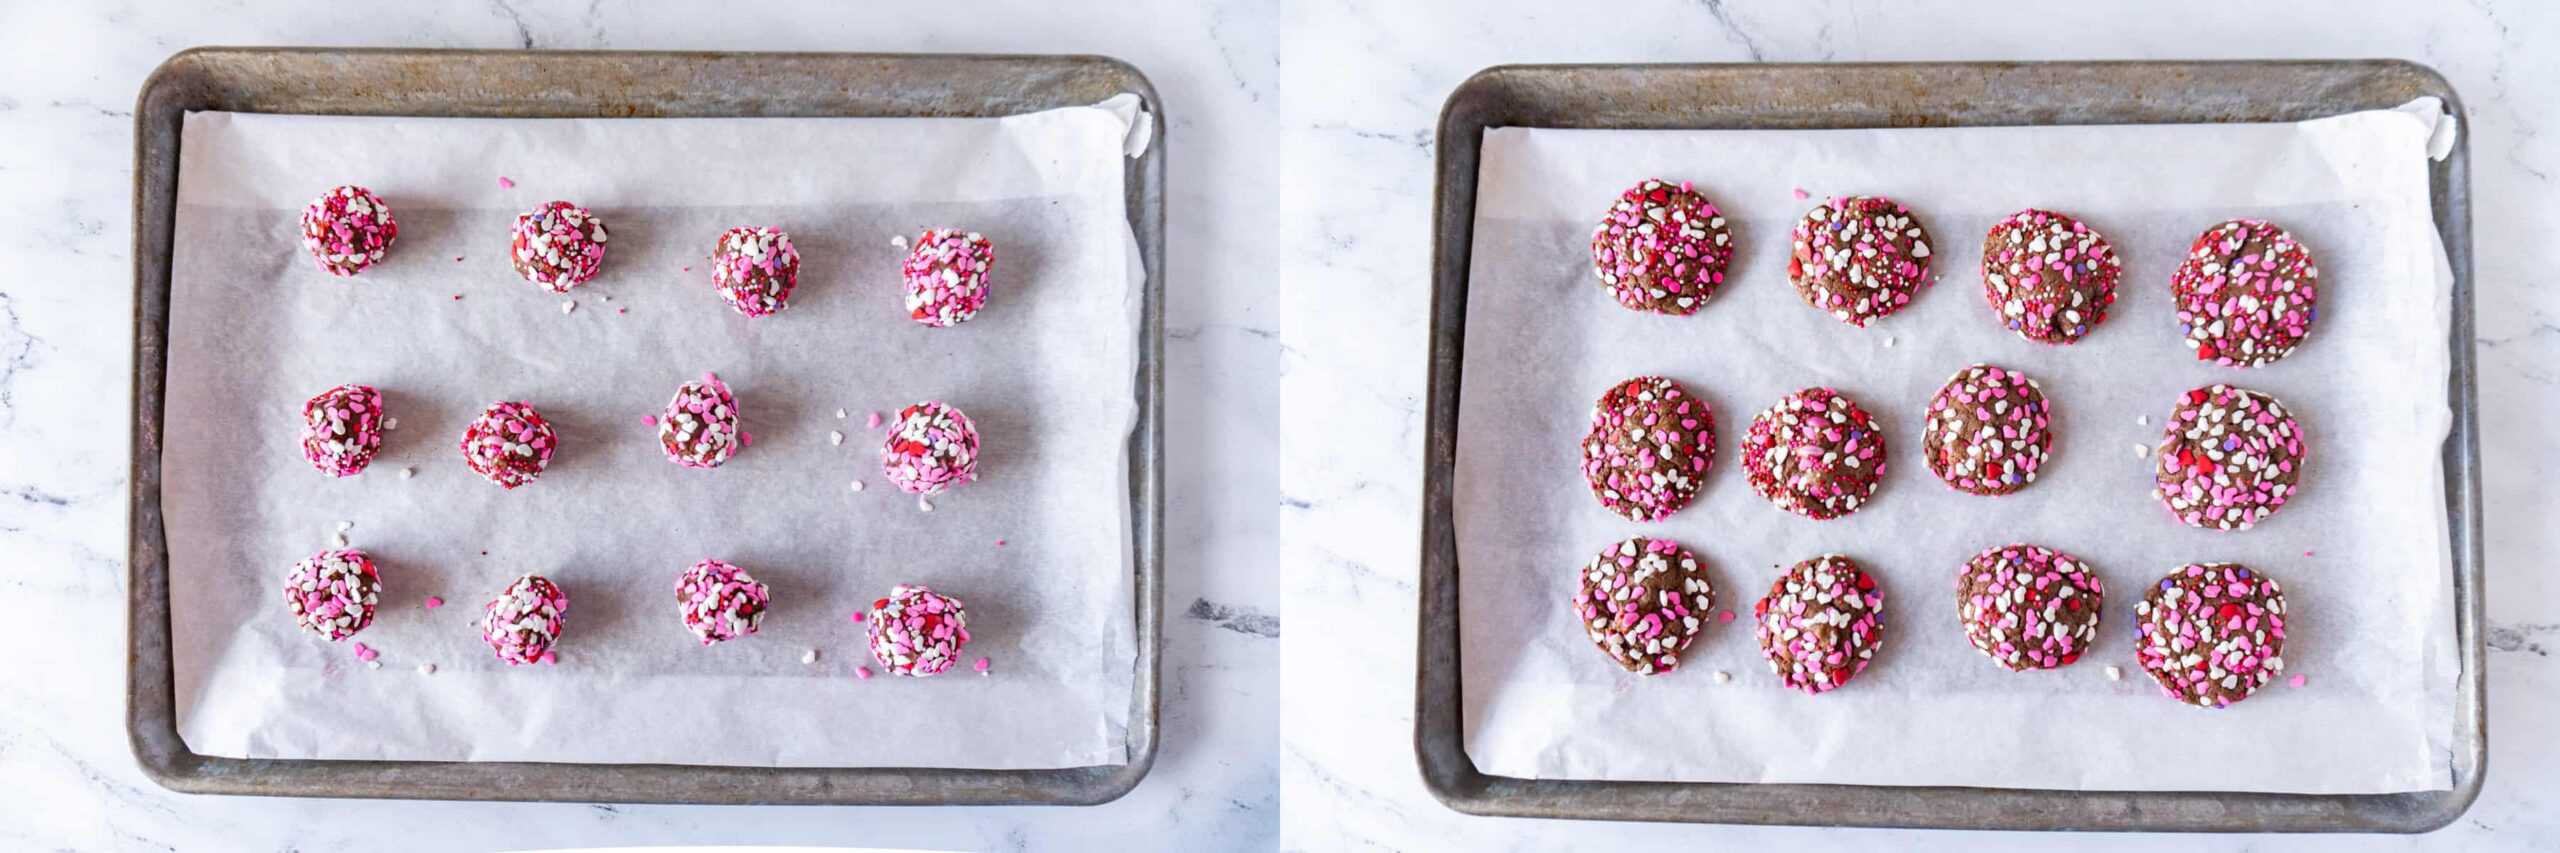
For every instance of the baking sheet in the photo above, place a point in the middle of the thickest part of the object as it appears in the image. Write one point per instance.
(2361, 550)
(1046, 371)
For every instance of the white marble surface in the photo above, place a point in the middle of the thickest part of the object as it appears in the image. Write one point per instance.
(68, 76)
(1364, 84)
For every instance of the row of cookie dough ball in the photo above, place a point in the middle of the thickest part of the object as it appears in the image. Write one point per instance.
(2246, 293)
(914, 631)
(558, 246)
(2227, 458)
(931, 447)
(2209, 633)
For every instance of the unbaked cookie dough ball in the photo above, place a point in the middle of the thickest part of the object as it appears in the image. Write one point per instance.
(719, 601)
(1820, 623)
(916, 631)
(700, 426)
(1642, 601)
(1648, 448)
(2028, 606)
(946, 275)
(342, 429)
(2228, 458)
(2246, 294)
(755, 270)
(1988, 431)
(932, 447)
(523, 622)
(348, 229)
(2049, 277)
(1815, 454)
(333, 593)
(1661, 248)
(558, 246)
(509, 444)
(2211, 633)
(1859, 258)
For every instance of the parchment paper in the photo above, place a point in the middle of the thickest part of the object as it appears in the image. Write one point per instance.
(2361, 551)
(1047, 371)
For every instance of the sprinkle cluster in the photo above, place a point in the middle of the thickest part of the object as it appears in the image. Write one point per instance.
(700, 427)
(2048, 276)
(509, 444)
(916, 631)
(946, 275)
(1988, 431)
(755, 270)
(332, 593)
(1815, 454)
(347, 229)
(1859, 258)
(930, 448)
(1642, 601)
(2211, 633)
(558, 246)
(719, 601)
(2229, 458)
(1648, 448)
(1820, 623)
(342, 429)
(525, 619)
(1661, 248)
(2028, 606)
(2246, 294)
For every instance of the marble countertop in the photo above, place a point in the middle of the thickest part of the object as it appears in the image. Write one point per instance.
(71, 72)
(1364, 84)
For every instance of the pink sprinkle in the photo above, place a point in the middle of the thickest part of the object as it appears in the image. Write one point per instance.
(366, 653)
(2306, 553)
(651, 420)
(862, 672)
(1800, 193)
(861, 615)
(981, 666)
(505, 184)
(746, 438)
(434, 602)
(622, 311)
(1726, 616)
(548, 657)
(873, 422)
(2298, 680)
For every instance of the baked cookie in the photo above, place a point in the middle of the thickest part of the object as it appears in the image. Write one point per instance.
(1815, 454)
(2246, 294)
(719, 601)
(1859, 258)
(342, 429)
(509, 444)
(348, 229)
(2028, 606)
(2211, 633)
(523, 622)
(946, 275)
(2049, 277)
(932, 447)
(1642, 601)
(1648, 448)
(332, 593)
(755, 270)
(700, 426)
(2228, 458)
(916, 631)
(558, 246)
(1820, 623)
(1988, 431)
(1661, 248)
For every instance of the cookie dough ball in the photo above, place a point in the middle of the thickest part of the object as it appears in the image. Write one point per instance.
(700, 427)
(946, 275)
(1661, 248)
(558, 246)
(2246, 294)
(2049, 277)
(1988, 431)
(1859, 258)
(932, 447)
(342, 429)
(347, 229)
(1642, 601)
(2028, 606)
(719, 601)
(916, 631)
(1820, 623)
(1815, 454)
(509, 444)
(523, 622)
(2228, 458)
(1648, 448)
(2211, 633)
(332, 593)
(755, 270)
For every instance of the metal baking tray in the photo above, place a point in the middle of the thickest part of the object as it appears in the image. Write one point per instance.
(531, 84)
(1631, 97)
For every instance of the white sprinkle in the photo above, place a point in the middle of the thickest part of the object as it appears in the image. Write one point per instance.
(839, 414)
(568, 305)
(605, 296)
(1888, 340)
(338, 539)
(834, 437)
(426, 669)
(373, 664)
(923, 504)
(2144, 420)
(1723, 677)
(390, 424)
(2115, 674)
(899, 241)
(406, 473)
(2141, 450)
(810, 656)
(857, 485)
(345, 526)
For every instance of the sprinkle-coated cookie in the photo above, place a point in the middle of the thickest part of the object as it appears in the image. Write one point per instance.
(558, 246)
(700, 426)
(1648, 448)
(2211, 633)
(1988, 431)
(1815, 454)
(348, 229)
(2228, 458)
(916, 631)
(2028, 606)
(1859, 258)
(946, 276)
(1661, 248)
(931, 447)
(509, 444)
(755, 270)
(342, 429)
(2246, 294)
(1820, 623)
(719, 601)
(523, 622)
(1642, 601)
(2049, 277)
(333, 593)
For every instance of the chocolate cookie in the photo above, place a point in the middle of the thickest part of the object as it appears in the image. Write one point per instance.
(1815, 454)
(946, 276)
(2228, 458)
(1661, 248)
(916, 631)
(2246, 294)
(557, 246)
(700, 426)
(755, 270)
(2028, 606)
(333, 593)
(1859, 258)
(525, 620)
(342, 429)
(510, 444)
(1987, 431)
(1642, 601)
(2049, 277)
(1648, 448)
(2211, 633)
(931, 447)
(719, 601)
(348, 229)
(1820, 623)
